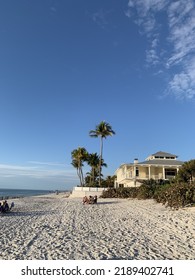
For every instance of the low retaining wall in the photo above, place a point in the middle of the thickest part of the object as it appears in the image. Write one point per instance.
(81, 192)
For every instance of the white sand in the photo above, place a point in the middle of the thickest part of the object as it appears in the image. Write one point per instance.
(55, 227)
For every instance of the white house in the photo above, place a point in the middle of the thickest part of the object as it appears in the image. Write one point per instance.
(160, 165)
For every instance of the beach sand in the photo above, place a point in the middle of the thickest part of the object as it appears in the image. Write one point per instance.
(57, 228)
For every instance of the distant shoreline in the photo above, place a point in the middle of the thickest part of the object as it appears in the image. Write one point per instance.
(21, 193)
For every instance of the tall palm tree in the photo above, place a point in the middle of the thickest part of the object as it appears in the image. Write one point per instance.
(102, 130)
(78, 157)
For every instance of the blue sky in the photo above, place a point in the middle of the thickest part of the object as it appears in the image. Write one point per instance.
(67, 65)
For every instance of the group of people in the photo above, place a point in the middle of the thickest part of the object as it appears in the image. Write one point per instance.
(4, 206)
(90, 199)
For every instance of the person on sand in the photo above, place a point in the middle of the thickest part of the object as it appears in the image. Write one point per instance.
(85, 200)
(91, 199)
(5, 206)
(12, 205)
(95, 199)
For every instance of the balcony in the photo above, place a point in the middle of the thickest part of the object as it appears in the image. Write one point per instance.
(146, 177)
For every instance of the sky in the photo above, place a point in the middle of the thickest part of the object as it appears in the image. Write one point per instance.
(67, 65)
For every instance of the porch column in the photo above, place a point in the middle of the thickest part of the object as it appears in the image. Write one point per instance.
(134, 172)
(149, 172)
(163, 173)
(125, 171)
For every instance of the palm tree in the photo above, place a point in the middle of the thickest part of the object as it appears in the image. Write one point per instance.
(76, 164)
(93, 161)
(102, 130)
(78, 157)
(109, 181)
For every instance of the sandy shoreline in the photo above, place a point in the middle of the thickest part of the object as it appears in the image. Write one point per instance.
(58, 228)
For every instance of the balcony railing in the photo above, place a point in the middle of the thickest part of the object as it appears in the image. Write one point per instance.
(146, 177)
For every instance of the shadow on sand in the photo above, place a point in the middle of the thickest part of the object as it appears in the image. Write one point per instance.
(24, 214)
(107, 202)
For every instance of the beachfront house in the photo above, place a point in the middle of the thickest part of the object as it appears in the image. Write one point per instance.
(158, 166)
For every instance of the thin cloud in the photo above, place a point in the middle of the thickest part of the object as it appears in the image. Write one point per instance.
(16, 167)
(7, 170)
(53, 9)
(155, 43)
(182, 36)
(152, 57)
(180, 40)
(145, 8)
(183, 83)
(101, 18)
(47, 163)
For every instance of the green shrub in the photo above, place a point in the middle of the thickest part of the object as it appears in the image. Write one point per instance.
(178, 195)
(110, 193)
(160, 193)
(147, 189)
(173, 194)
(130, 192)
(120, 192)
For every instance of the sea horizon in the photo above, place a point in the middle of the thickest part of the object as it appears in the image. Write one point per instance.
(6, 193)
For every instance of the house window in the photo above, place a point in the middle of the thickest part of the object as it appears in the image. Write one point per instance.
(137, 172)
(170, 172)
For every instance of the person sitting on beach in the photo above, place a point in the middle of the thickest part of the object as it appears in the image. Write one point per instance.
(85, 200)
(90, 199)
(5, 206)
(12, 205)
(95, 199)
(0, 207)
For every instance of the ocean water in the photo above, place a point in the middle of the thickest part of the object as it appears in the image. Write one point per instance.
(11, 193)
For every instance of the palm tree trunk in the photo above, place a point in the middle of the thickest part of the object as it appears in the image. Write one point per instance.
(93, 175)
(100, 163)
(82, 177)
(79, 175)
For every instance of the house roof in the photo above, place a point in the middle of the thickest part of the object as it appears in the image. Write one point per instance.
(124, 164)
(163, 154)
(167, 162)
